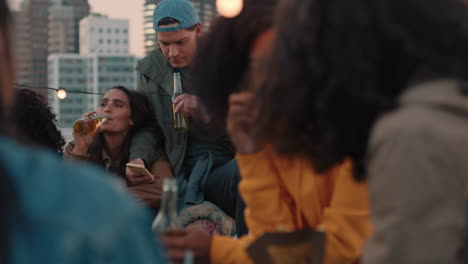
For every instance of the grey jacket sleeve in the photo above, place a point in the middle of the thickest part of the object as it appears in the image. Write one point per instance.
(416, 208)
(146, 143)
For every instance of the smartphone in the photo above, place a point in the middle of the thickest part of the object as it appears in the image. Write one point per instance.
(140, 169)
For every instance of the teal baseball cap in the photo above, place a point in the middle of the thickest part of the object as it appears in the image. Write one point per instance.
(180, 10)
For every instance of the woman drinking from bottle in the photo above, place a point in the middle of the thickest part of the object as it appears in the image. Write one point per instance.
(120, 114)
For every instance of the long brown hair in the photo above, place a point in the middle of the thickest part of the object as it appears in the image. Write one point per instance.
(142, 115)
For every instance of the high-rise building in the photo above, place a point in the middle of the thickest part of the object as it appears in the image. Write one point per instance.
(103, 62)
(64, 19)
(43, 27)
(91, 75)
(32, 34)
(206, 10)
(102, 35)
(150, 34)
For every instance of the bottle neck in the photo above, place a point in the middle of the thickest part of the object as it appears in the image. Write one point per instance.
(169, 197)
(177, 84)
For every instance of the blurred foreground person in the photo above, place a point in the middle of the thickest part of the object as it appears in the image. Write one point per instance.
(54, 213)
(382, 82)
(282, 192)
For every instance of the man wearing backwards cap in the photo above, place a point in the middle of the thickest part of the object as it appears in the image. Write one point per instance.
(204, 170)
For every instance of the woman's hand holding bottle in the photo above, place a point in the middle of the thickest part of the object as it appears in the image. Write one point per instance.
(83, 140)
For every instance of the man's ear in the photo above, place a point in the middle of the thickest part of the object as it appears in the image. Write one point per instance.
(198, 30)
(157, 43)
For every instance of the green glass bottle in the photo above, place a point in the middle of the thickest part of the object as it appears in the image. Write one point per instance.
(180, 118)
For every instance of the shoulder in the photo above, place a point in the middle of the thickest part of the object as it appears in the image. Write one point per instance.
(427, 112)
(418, 137)
(154, 58)
(406, 120)
(154, 66)
(412, 124)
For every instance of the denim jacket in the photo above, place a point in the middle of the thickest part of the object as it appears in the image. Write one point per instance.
(70, 214)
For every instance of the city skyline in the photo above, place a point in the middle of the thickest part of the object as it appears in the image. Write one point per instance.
(118, 9)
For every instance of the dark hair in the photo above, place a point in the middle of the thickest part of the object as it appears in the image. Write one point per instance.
(339, 64)
(7, 189)
(223, 57)
(4, 31)
(142, 116)
(34, 118)
(169, 21)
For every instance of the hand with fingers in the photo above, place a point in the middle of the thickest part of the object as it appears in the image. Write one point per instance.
(190, 104)
(194, 239)
(136, 178)
(82, 142)
(241, 122)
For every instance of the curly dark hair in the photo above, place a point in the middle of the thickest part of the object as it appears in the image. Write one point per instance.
(142, 115)
(223, 58)
(338, 64)
(31, 112)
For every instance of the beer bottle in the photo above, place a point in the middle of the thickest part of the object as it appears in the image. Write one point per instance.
(180, 118)
(166, 222)
(86, 125)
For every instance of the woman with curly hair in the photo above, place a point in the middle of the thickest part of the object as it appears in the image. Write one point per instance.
(34, 118)
(282, 192)
(384, 83)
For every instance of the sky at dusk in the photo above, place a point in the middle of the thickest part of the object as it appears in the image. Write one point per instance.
(128, 9)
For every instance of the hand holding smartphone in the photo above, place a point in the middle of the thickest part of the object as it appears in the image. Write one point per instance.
(141, 170)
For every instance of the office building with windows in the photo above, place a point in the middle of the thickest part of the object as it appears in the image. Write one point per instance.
(102, 35)
(206, 11)
(150, 34)
(43, 27)
(91, 76)
(103, 62)
(31, 46)
(64, 20)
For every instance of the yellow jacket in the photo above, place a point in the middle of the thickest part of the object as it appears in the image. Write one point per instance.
(285, 194)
